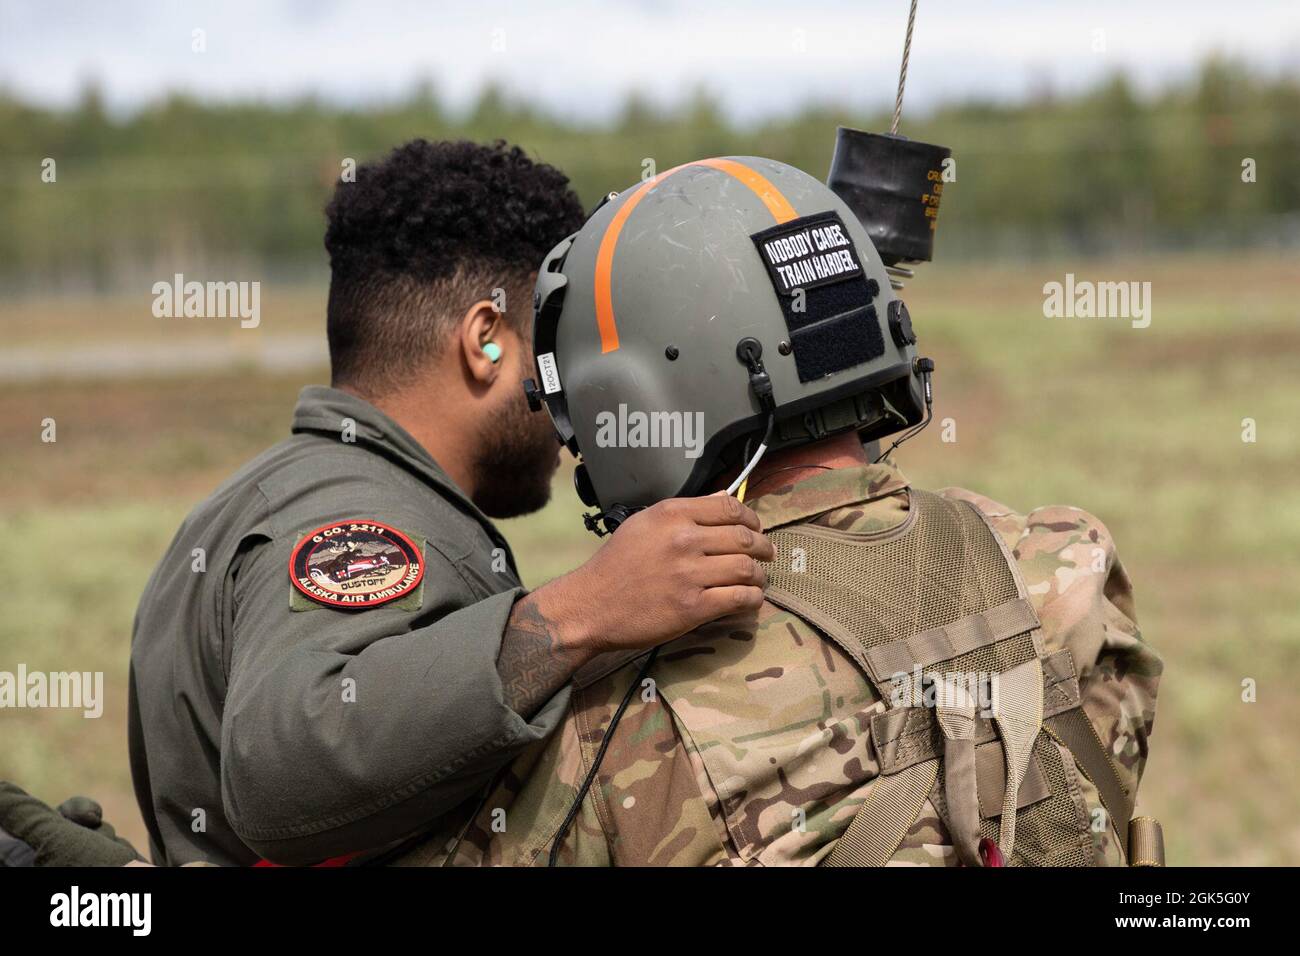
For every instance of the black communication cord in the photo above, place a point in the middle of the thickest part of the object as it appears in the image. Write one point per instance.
(572, 815)
(926, 368)
(750, 352)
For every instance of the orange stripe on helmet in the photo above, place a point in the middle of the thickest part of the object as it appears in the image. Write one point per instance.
(605, 262)
(759, 184)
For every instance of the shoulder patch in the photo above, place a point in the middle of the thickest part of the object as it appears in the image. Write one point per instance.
(357, 563)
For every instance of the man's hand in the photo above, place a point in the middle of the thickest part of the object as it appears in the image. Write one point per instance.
(666, 571)
(73, 835)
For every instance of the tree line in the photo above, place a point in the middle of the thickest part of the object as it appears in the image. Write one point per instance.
(92, 199)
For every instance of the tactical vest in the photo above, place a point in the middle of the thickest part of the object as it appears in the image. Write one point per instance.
(938, 606)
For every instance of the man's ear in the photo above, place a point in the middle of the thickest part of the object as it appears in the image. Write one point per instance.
(482, 324)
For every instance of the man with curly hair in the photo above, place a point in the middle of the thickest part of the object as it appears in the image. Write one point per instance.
(336, 650)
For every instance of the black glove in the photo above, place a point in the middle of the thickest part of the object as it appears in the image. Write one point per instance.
(14, 852)
(73, 835)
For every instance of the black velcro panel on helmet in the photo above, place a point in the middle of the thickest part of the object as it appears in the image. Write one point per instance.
(824, 292)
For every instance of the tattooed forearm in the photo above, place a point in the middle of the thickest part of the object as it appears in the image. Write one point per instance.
(533, 664)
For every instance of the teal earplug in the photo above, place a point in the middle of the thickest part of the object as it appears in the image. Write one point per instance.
(492, 351)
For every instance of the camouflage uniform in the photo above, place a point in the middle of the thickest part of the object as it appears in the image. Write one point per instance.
(752, 745)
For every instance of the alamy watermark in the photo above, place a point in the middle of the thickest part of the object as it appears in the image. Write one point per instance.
(133, 911)
(208, 300)
(1085, 299)
(931, 689)
(77, 690)
(638, 429)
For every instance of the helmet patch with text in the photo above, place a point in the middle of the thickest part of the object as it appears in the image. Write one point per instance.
(824, 293)
(356, 564)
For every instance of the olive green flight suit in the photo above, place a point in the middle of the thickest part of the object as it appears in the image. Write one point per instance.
(264, 724)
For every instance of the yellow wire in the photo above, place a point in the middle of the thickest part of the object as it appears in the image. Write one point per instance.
(740, 492)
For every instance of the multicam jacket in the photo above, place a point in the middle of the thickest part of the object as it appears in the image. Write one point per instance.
(749, 742)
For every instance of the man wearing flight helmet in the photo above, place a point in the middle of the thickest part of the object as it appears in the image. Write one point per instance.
(932, 677)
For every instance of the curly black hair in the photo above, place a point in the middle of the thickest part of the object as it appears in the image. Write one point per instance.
(420, 236)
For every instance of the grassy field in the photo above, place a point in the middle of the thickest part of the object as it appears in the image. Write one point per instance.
(1140, 426)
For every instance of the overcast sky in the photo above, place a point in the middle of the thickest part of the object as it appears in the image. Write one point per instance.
(580, 58)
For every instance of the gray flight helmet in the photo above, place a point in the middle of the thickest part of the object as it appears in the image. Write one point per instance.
(699, 311)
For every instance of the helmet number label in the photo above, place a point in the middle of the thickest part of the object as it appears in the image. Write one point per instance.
(550, 374)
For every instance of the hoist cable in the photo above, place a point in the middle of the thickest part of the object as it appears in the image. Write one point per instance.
(902, 70)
